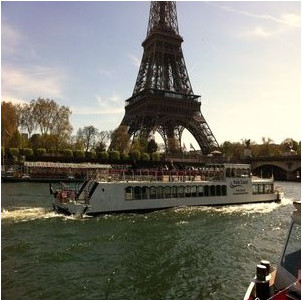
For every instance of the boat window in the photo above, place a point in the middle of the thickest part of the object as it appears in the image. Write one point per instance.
(268, 188)
(255, 188)
(173, 191)
(206, 190)
(159, 191)
(129, 193)
(224, 190)
(145, 193)
(260, 189)
(200, 191)
(291, 259)
(167, 193)
(137, 193)
(246, 173)
(218, 190)
(152, 192)
(194, 191)
(180, 191)
(188, 191)
(212, 190)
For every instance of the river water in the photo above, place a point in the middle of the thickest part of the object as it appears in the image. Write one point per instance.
(183, 253)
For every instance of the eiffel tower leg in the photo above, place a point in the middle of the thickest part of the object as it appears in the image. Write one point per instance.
(201, 131)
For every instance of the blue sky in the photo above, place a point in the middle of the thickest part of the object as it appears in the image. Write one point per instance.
(243, 58)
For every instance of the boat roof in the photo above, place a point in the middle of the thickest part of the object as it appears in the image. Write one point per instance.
(57, 165)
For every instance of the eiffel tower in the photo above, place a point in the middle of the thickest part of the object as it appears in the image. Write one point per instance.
(163, 100)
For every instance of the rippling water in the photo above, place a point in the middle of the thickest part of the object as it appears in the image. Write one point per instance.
(183, 253)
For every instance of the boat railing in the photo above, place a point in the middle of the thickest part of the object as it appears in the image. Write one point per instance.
(160, 176)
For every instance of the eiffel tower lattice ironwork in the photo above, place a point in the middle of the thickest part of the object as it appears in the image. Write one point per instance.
(163, 100)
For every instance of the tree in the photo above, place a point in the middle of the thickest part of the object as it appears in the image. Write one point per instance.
(120, 139)
(135, 155)
(88, 136)
(152, 146)
(62, 128)
(155, 156)
(50, 118)
(103, 138)
(173, 145)
(103, 155)
(145, 156)
(36, 140)
(45, 114)
(9, 122)
(114, 155)
(267, 148)
(27, 120)
(140, 144)
(289, 144)
(233, 150)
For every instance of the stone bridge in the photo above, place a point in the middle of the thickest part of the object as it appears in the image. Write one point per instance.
(282, 167)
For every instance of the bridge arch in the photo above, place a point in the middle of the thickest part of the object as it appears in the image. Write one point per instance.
(268, 170)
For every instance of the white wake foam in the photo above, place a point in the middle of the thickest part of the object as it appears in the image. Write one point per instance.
(24, 214)
(243, 209)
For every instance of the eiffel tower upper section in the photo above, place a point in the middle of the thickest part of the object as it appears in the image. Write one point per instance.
(163, 100)
(163, 65)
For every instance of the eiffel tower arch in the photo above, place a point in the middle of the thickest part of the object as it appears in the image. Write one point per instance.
(163, 100)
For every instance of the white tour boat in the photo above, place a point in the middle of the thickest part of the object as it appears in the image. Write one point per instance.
(129, 190)
(283, 282)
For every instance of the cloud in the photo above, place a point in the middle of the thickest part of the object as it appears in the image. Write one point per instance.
(257, 32)
(105, 72)
(33, 81)
(289, 19)
(136, 61)
(95, 111)
(105, 106)
(11, 39)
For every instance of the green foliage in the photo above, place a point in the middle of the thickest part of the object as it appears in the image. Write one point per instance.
(145, 156)
(79, 153)
(87, 136)
(13, 151)
(152, 146)
(9, 123)
(36, 141)
(114, 155)
(40, 151)
(233, 150)
(67, 152)
(90, 154)
(125, 156)
(103, 155)
(155, 156)
(44, 115)
(120, 139)
(28, 152)
(135, 155)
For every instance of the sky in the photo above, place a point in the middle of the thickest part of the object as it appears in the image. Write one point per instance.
(243, 58)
